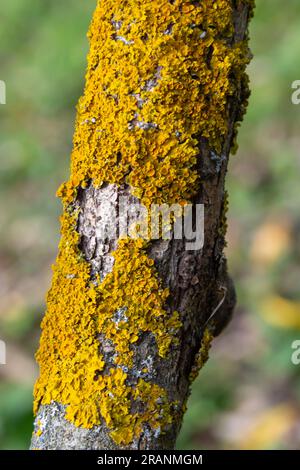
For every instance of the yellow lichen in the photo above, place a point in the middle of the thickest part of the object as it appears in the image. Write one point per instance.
(223, 219)
(185, 50)
(39, 430)
(160, 75)
(202, 356)
(77, 312)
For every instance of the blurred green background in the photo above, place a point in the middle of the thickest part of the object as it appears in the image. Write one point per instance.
(248, 394)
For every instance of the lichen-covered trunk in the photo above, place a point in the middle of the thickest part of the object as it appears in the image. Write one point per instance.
(129, 319)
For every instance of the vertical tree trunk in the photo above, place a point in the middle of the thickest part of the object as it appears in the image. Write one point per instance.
(129, 322)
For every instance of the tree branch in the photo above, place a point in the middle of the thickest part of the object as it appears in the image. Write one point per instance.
(129, 323)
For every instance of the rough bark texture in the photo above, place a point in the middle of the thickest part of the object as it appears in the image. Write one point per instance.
(200, 289)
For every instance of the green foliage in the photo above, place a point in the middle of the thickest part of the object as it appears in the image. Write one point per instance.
(15, 416)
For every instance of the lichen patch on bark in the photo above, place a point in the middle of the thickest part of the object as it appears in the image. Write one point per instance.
(165, 86)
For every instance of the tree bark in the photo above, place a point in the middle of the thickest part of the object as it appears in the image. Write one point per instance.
(116, 367)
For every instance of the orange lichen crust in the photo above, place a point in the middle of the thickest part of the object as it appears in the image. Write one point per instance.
(78, 310)
(160, 75)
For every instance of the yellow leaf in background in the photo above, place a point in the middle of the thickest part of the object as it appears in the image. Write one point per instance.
(281, 312)
(270, 427)
(270, 241)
